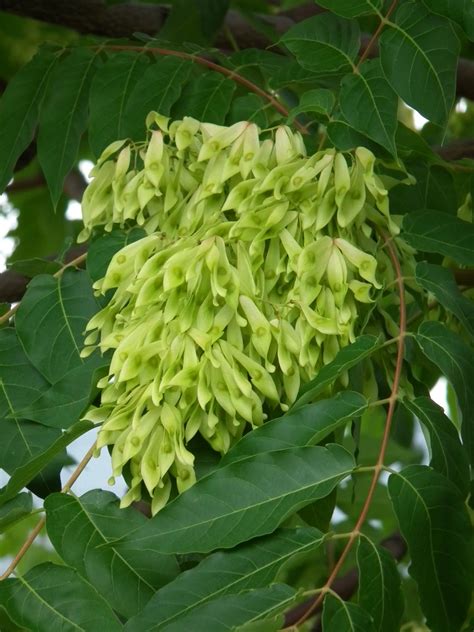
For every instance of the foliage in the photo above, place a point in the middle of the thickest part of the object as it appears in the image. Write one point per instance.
(259, 541)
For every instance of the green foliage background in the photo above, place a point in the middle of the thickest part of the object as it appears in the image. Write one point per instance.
(214, 559)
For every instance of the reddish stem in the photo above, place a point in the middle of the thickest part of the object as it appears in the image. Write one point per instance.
(231, 74)
(376, 34)
(383, 446)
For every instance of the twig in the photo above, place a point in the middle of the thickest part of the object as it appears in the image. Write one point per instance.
(231, 74)
(316, 604)
(34, 534)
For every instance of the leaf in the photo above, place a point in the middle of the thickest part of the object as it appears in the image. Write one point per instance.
(51, 320)
(306, 426)
(20, 382)
(232, 611)
(63, 404)
(63, 116)
(41, 445)
(19, 108)
(341, 616)
(440, 282)
(418, 52)
(460, 11)
(344, 137)
(319, 101)
(103, 248)
(434, 522)
(447, 454)
(51, 597)
(78, 527)
(111, 87)
(369, 104)
(432, 231)
(345, 359)
(265, 490)
(352, 8)
(324, 44)
(32, 267)
(252, 565)
(379, 586)
(434, 188)
(206, 98)
(456, 361)
(158, 89)
(248, 108)
(16, 509)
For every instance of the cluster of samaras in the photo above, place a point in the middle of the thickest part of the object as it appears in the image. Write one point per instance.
(257, 264)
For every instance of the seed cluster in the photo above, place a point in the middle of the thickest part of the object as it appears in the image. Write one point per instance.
(255, 271)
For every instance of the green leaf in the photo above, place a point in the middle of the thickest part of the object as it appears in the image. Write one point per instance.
(352, 8)
(20, 382)
(252, 565)
(63, 116)
(157, 89)
(111, 87)
(447, 454)
(344, 137)
(460, 11)
(440, 282)
(369, 104)
(32, 267)
(456, 361)
(19, 108)
(51, 320)
(306, 426)
(243, 500)
(63, 404)
(51, 597)
(78, 527)
(207, 98)
(14, 510)
(319, 101)
(250, 107)
(341, 616)
(103, 248)
(419, 52)
(29, 448)
(345, 359)
(324, 44)
(379, 586)
(434, 188)
(431, 231)
(232, 611)
(434, 522)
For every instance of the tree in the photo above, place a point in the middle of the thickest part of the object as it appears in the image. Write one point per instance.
(254, 318)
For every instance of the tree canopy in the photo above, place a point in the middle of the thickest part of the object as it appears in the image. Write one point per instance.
(271, 271)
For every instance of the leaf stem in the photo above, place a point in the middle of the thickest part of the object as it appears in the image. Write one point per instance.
(231, 74)
(375, 36)
(379, 466)
(34, 534)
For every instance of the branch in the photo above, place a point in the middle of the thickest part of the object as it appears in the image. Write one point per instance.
(347, 585)
(456, 149)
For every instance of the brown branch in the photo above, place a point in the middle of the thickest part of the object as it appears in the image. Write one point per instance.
(346, 586)
(456, 149)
